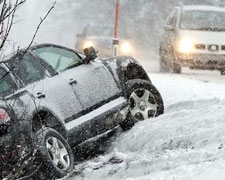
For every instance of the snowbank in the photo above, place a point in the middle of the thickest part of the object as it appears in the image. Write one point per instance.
(187, 142)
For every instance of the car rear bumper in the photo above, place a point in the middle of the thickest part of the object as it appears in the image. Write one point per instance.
(202, 61)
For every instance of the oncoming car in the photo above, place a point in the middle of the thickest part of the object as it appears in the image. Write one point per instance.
(52, 99)
(194, 37)
(101, 38)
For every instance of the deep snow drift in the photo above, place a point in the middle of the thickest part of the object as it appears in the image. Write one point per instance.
(187, 142)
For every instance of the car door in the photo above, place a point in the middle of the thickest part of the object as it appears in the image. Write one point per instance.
(50, 92)
(92, 83)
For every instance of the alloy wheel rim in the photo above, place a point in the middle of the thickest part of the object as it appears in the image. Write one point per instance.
(142, 104)
(58, 153)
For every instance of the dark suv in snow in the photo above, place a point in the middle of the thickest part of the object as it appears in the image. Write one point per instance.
(53, 98)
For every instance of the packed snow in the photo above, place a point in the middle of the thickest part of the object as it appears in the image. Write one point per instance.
(185, 143)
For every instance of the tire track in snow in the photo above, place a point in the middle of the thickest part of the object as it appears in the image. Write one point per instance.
(175, 146)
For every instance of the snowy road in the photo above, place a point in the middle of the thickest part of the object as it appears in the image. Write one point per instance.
(186, 143)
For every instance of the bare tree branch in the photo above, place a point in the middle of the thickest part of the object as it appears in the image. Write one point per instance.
(30, 155)
(40, 23)
(8, 11)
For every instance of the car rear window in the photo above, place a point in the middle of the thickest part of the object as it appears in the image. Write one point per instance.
(27, 68)
(7, 85)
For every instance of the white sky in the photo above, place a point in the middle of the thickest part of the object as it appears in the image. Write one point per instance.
(54, 29)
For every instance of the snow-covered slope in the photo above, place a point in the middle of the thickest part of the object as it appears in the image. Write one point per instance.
(187, 142)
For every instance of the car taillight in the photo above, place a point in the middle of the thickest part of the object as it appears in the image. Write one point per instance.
(4, 116)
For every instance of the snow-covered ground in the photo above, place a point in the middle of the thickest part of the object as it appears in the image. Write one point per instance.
(186, 143)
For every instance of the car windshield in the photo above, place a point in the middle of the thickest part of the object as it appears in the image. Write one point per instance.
(105, 31)
(203, 20)
(59, 58)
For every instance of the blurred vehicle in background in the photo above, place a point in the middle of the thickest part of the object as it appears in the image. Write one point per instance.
(194, 37)
(101, 38)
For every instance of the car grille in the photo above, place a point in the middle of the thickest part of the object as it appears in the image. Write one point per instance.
(223, 47)
(210, 47)
(213, 47)
(200, 46)
(3, 129)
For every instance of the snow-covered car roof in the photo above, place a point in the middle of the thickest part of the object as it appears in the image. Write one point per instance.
(203, 8)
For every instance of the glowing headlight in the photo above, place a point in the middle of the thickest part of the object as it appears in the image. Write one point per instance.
(125, 47)
(88, 44)
(186, 45)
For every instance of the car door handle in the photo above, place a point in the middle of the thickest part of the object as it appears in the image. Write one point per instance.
(72, 81)
(40, 95)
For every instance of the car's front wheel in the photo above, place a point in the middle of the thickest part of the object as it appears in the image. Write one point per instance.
(176, 68)
(164, 67)
(145, 101)
(53, 153)
(168, 62)
(222, 72)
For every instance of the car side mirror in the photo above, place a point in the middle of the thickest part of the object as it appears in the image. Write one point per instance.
(90, 54)
(169, 28)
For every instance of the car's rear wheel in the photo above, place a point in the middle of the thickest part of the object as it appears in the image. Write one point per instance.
(53, 153)
(145, 102)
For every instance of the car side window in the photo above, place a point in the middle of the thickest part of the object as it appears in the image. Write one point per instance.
(7, 85)
(60, 59)
(27, 68)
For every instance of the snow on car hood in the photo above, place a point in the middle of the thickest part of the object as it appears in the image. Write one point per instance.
(205, 37)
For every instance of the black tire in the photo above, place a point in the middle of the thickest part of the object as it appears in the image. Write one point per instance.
(137, 86)
(44, 158)
(175, 65)
(176, 68)
(222, 72)
(168, 63)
